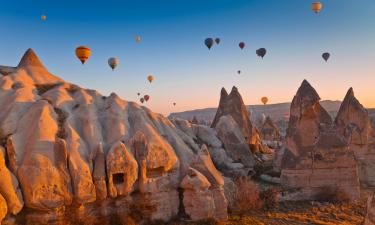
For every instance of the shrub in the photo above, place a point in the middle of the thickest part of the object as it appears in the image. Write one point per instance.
(270, 197)
(246, 196)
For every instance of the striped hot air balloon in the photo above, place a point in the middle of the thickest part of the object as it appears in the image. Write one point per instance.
(83, 53)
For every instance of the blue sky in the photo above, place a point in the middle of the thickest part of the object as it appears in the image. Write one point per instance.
(172, 47)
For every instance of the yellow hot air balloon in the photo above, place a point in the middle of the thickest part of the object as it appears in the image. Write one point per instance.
(150, 78)
(138, 39)
(316, 7)
(43, 17)
(264, 100)
(83, 53)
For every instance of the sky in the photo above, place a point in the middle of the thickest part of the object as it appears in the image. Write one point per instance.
(172, 47)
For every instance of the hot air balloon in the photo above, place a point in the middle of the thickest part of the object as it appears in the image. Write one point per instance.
(146, 97)
(217, 41)
(83, 53)
(209, 42)
(261, 52)
(239, 71)
(43, 17)
(113, 62)
(150, 78)
(264, 100)
(138, 94)
(326, 56)
(242, 45)
(142, 100)
(174, 103)
(316, 7)
(138, 39)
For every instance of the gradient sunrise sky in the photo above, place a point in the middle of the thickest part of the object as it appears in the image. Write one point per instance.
(172, 48)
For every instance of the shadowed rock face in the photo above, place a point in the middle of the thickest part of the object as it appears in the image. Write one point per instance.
(354, 124)
(269, 131)
(234, 106)
(317, 159)
(68, 145)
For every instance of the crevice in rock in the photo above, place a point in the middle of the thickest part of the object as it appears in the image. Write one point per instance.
(61, 119)
(43, 88)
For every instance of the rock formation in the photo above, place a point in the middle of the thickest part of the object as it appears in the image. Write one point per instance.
(370, 216)
(269, 131)
(354, 124)
(317, 161)
(67, 145)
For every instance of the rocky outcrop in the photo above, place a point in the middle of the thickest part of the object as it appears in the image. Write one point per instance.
(9, 187)
(269, 131)
(234, 106)
(3, 208)
(354, 124)
(122, 170)
(370, 216)
(67, 145)
(316, 160)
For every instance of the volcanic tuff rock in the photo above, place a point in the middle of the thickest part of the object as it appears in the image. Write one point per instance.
(269, 131)
(370, 217)
(317, 160)
(66, 145)
(354, 124)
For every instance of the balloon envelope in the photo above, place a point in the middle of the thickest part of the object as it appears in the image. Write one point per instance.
(138, 94)
(264, 100)
(142, 100)
(242, 45)
(316, 6)
(209, 42)
(113, 62)
(146, 97)
(138, 39)
(239, 71)
(150, 78)
(43, 17)
(261, 52)
(217, 41)
(83, 53)
(326, 56)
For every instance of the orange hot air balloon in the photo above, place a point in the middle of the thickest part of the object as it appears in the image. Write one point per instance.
(150, 78)
(264, 100)
(83, 53)
(316, 7)
(146, 97)
(43, 17)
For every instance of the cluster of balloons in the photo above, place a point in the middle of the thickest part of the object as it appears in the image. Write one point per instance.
(209, 42)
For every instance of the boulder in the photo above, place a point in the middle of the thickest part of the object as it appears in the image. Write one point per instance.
(353, 122)
(197, 198)
(122, 170)
(234, 142)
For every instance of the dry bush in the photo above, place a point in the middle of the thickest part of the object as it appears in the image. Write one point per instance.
(246, 196)
(270, 197)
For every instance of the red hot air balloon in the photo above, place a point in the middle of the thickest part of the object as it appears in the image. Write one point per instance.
(242, 45)
(146, 97)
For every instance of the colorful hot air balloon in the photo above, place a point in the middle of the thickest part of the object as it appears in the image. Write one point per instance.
(142, 100)
(83, 53)
(242, 45)
(146, 97)
(261, 52)
(209, 42)
(138, 39)
(217, 41)
(150, 78)
(113, 62)
(43, 17)
(264, 100)
(326, 56)
(316, 7)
